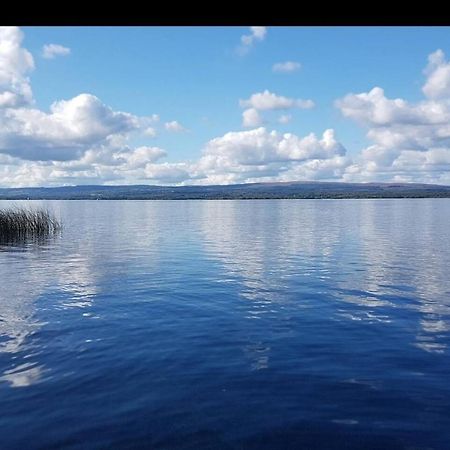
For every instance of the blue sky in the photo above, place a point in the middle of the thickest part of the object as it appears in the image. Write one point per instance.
(197, 76)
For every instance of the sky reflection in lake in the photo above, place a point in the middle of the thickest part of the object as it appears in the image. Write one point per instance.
(229, 319)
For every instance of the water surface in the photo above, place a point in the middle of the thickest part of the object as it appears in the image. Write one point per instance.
(229, 324)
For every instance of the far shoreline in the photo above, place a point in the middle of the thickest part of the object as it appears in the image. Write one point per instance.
(225, 199)
(305, 190)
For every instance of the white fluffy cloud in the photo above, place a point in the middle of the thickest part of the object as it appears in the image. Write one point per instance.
(438, 76)
(69, 130)
(260, 146)
(79, 139)
(50, 51)
(236, 157)
(15, 63)
(82, 140)
(374, 109)
(286, 67)
(266, 100)
(411, 141)
(72, 127)
(261, 154)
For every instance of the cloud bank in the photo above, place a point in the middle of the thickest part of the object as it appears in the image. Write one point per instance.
(82, 140)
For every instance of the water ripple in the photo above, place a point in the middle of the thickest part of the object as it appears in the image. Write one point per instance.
(229, 324)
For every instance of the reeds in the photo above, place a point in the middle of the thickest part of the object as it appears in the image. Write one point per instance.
(21, 223)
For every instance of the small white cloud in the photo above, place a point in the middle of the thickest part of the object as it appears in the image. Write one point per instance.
(256, 34)
(285, 118)
(174, 127)
(247, 40)
(286, 67)
(265, 101)
(251, 118)
(50, 51)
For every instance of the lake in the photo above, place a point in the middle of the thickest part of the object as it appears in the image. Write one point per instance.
(251, 324)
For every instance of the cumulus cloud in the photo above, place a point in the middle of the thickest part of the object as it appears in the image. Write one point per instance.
(66, 132)
(438, 76)
(411, 141)
(15, 64)
(105, 164)
(373, 108)
(258, 146)
(235, 157)
(71, 128)
(82, 140)
(248, 40)
(79, 139)
(266, 100)
(243, 156)
(174, 127)
(50, 51)
(286, 67)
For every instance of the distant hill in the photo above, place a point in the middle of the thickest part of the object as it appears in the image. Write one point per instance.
(236, 191)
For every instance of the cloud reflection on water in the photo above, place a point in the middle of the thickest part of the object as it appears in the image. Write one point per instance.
(378, 254)
(383, 256)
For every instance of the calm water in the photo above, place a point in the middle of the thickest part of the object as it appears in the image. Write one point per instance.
(229, 324)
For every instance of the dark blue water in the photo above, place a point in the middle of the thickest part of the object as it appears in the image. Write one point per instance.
(273, 324)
